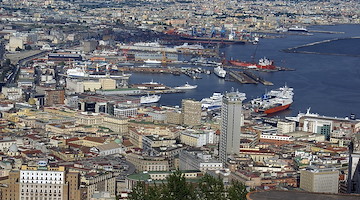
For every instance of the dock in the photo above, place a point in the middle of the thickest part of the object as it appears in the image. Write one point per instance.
(245, 77)
(242, 77)
(150, 69)
(257, 78)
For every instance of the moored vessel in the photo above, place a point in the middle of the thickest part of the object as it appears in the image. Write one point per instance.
(220, 72)
(273, 101)
(149, 99)
(212, 102)
(187, 86)
(263, 64)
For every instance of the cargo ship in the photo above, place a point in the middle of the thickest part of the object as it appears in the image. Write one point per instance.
(273, 101)
(263, 64)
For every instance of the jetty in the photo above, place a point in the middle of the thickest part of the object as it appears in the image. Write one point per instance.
(245, 77)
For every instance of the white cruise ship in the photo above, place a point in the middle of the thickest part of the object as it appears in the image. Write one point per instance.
(220, 72)
(187, 86)
(81, 73)
(212, 102)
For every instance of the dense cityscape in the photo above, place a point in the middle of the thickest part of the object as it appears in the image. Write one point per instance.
(75, 125)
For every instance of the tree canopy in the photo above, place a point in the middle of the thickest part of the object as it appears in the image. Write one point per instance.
(176, 188)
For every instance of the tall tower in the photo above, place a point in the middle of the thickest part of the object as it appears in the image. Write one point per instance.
(191, 111)
(231, 122)
(354, 166)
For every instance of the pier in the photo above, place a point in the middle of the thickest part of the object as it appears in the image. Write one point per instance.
(242, 78)
(246, 77)
(150, 69)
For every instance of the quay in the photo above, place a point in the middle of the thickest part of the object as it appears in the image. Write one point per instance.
(242, 77)
(166, 91)
(329, 32)
(154, 70)
(257, 78)
(246, 77)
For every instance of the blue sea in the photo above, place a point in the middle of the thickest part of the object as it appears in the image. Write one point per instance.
(329, 84)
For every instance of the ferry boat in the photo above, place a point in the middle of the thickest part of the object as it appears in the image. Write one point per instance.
(187, 86)
(220, 72)
(273, 101)
(150, 99)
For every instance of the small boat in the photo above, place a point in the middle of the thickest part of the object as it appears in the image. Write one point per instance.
(187, 86)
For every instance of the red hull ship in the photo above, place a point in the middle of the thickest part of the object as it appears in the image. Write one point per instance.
(264, 64)
(277, 109)
(273, 101)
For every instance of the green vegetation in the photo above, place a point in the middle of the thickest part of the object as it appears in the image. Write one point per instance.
(5, 68)
(176, 188)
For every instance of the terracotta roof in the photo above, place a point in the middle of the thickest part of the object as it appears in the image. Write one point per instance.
(95, 139)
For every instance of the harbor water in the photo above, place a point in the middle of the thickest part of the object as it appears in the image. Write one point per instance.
(329, 84)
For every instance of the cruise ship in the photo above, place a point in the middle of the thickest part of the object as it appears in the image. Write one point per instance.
(220, 72)
(273, 101)
(187, 86)
(150, 99)
(212, 102)
(81, 73)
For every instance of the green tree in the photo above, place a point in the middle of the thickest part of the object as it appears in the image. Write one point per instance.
(176, 188)
(138, 192)
(237, 191)
(210, 188)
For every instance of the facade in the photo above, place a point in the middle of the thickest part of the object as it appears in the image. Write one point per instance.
(12, 93)
(5, 144)
(99, 182)
(324, 180)
(42, 182)
(353, 185)
(148, 163)
(108, 84)
(107, 149)
(276, 138)
(125, 112)
(54, 97)
(152, 141)
(316, 125)
(174, 117)
(286, 127)
(197, 139)
(231, 121)
(191, 111)
(193, 160)
(150, 178)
